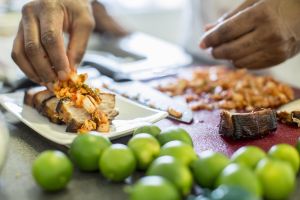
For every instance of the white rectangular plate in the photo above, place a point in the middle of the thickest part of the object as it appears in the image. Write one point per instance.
(131, 116)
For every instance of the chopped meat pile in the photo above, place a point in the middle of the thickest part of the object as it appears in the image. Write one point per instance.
(75, 104)
(220, 87)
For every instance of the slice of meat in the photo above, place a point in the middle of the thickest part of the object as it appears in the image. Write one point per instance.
(29, 94)
(247, 125)
(74, 117)
(290, 113)
(107, 105)
(49, 110)
(89, 104)
(39, 99)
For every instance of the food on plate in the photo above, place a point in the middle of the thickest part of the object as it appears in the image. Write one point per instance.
(247, 125)
(52, 170)
(219, 87)
(75, 104)
(290, 113)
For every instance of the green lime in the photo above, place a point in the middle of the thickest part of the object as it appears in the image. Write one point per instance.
(150, 129)
(286, 153)
(242, 176)
(52, 170)
(180, 150)
(117, 162)
(173, 170)
(277, 178)
(207, 168)
(85, 151)
(154, 188)
(248, 155)
(298, 145)
(174, 133)
(145, 148)
(232, 193)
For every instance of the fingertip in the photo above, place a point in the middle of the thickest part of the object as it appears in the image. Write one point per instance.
(63, 75)
(50, 86)
(202, 45)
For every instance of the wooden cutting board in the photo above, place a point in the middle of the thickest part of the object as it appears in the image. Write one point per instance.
(204, 131)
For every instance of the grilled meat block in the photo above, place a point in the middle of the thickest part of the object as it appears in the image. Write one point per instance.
(74, 117)
(290, 113)
(247, 125)
(29, 94)
(107, 105)
(49, 110)
(39, 99)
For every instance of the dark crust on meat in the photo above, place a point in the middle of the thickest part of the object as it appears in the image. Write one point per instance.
(39, 105)
(73, 126)
(60, 112)
(248, 125)
(30, 93)
(52, 115)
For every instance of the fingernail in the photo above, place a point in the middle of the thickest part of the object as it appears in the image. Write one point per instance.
(50, 86)
(62, 75)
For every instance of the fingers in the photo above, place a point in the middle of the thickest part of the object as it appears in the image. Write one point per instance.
(80, 32)
(105, 23)
(51, 26)
(230, 29)
(241, 7)
(33, 48)
(264, 58)
(239, 48)
(18, 55)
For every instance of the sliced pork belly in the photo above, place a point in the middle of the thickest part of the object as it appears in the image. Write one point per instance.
(39, 99)
(107, 105)
(74, 117)
(30, 93)
(49, 110)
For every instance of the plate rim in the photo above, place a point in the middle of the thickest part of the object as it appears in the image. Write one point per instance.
(157, 116)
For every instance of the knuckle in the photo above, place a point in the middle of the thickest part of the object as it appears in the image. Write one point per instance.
(14, 55)
(239, 64)
(27, 8)
(49, 38)
(31, 48)
(281, 54)
(88, 23)
(219, 53)
(224, 31)
(225, 52)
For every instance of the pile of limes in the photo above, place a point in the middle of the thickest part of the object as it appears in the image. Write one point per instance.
(172, 167)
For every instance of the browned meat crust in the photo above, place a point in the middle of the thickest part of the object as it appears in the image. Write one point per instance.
(29, 95)
(247, 125)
